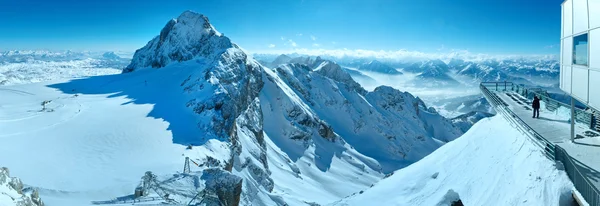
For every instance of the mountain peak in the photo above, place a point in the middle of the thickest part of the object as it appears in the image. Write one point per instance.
(189, 36)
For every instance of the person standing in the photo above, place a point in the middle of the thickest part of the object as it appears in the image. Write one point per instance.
(536, 107)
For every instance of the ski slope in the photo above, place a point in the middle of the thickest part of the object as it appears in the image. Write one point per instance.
(492, 164)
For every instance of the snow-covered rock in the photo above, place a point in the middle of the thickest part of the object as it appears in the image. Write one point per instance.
(189, 36)
(12, 191)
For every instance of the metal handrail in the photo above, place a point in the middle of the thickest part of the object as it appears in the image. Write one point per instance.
(553, 151)
(581, 115)
(590, 193)
(535, 137)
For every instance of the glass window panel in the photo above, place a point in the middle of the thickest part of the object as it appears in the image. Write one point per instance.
(580, 50)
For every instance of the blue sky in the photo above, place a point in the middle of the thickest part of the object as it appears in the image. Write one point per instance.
(478, 26)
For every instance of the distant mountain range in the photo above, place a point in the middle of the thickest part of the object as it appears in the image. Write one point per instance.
(376, 66)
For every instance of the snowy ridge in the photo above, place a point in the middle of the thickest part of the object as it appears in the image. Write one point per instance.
(507, 170)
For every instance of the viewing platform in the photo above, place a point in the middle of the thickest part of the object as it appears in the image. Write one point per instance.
(552, 132)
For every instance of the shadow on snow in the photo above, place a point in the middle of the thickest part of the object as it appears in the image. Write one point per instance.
(157, 87)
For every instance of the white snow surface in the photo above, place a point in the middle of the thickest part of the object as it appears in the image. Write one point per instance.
(492, 164)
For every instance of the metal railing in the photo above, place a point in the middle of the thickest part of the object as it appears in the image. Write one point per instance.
(581, 116)
(589, 192)
(502, 108)
(553, 151)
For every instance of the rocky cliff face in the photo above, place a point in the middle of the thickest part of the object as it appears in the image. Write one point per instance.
(13, 193)
(223, 90)
(391, 126)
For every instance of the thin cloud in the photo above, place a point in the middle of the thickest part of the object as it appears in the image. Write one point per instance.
(403, 55)
(314, 38)
(290, 42)
(316, 45)
(271, 45)
(299, 34)
(283, 38)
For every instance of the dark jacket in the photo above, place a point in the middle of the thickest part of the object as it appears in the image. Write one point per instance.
(536, 103)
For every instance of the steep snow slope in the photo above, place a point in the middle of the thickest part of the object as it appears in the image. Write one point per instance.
(492, 164)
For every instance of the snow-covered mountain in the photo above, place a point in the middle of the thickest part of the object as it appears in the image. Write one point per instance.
(453, 107)
(281, 59)
(431, 73)
(376, 66)
(352, 112)
(307, 105)
(485, 73)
